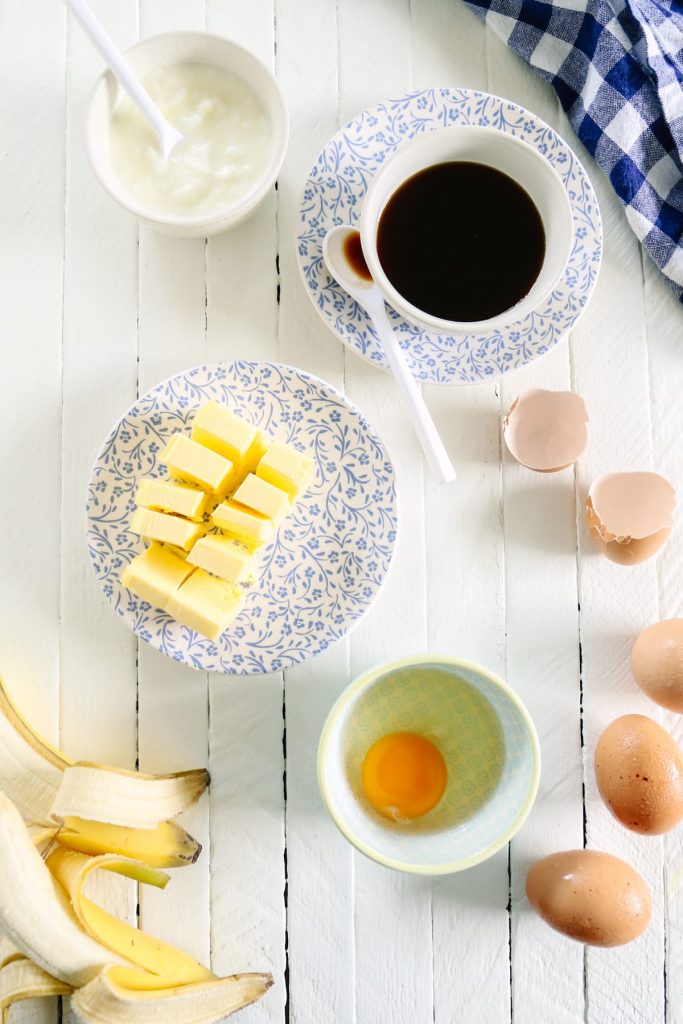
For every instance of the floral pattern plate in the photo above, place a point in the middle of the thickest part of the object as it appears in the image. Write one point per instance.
(334, 192)
(331, 554)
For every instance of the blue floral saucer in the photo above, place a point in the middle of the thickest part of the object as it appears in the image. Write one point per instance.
(330, 556)
(334, 192)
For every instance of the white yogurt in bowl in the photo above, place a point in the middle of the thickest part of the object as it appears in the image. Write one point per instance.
(230, 110)
(226, 149)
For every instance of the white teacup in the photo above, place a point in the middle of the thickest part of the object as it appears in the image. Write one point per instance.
(514, 157)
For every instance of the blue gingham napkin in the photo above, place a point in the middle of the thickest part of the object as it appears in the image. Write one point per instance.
(617, 67)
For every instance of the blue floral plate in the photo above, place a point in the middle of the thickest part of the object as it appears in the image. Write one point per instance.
(331, 555)
(333, 194)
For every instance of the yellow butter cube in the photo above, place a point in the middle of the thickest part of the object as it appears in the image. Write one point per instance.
(155, 575)
(223, 557)
(165, 528)
(286, 468)
(190, 461)
(166, 496)
(262, 497)
(260, 446)
(247, 526)
(219, 429)
(206, 604)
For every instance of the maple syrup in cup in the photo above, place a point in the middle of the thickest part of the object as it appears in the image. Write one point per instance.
(466, 230)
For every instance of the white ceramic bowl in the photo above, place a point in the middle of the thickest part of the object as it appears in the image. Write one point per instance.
(485, 735)
(192, 48)
(496, 149)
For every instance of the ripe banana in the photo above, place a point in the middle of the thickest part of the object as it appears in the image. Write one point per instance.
(164, 965)
(104, 1001)
(30, 769)
(129, 799)
(8, 952)
(35, 914)
(21, 979)
(166, 846)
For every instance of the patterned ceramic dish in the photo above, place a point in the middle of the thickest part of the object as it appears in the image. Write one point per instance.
(485, 735)
(332, 553)
(334, 193)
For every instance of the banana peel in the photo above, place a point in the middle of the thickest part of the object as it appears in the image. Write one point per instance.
(166, 846)
(128, 799)
(30, 769)
(35, 912)
(22, 979)
(105, 1001)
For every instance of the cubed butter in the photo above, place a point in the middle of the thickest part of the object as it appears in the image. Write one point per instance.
(219, 429)
(206, 604)
(223, 557)
(286, 468)
(260, 446)
(166, 529)
(262, 497)
(247, 526)
(166, 496)
(155, 575)
(187, 460)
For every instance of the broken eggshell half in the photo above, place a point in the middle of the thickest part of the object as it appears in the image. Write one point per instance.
(630, 515)
(546, 430)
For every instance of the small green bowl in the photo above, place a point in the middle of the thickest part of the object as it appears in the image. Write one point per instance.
(485, 735)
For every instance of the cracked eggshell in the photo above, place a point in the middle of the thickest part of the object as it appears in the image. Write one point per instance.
(546, 430)
(639, 772)
(590, 896)
(657, 663)
(630, 515)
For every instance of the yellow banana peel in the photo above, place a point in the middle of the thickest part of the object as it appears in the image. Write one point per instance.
(22, 979)
(105, 1001)
(163, 965)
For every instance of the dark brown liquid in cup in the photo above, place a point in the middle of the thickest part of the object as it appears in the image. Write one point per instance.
(461, 241)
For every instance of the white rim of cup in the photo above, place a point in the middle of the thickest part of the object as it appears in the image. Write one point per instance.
(393, 296)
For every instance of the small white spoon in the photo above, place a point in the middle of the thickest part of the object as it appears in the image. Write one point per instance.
(367, 294)
(168, 136)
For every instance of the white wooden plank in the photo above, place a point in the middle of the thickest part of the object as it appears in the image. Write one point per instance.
(465, 584)
(609, 357)
(539, 516)
(173, 700)
(393, 921)
(663, 313)
(248, 924)
(31, 264)
(319, 861)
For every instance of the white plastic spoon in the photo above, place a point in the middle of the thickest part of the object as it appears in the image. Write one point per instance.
(367, 294)
(168, 136)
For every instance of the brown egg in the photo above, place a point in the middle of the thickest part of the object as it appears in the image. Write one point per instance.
(590, 896)
(639, 772)
(630, 515)
(657, 663)
(546, 430)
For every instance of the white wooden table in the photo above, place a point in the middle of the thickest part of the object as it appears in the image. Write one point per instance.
(96, 309)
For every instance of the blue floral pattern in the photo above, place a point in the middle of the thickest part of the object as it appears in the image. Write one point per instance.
(333, 195)
(332, 553)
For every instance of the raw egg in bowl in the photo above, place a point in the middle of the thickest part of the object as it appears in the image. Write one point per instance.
(429, 764)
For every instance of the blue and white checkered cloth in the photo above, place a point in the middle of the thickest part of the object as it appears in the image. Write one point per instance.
(617, 67)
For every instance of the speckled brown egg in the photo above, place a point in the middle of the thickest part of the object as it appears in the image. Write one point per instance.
(590, 896)
(657, 663)
(639, 772)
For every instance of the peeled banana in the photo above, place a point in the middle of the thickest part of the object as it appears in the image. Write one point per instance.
(103, 1001)
(166, 846)
(22, 979)
(129, 799)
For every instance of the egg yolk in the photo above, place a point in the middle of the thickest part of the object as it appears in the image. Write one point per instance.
(404, 775)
